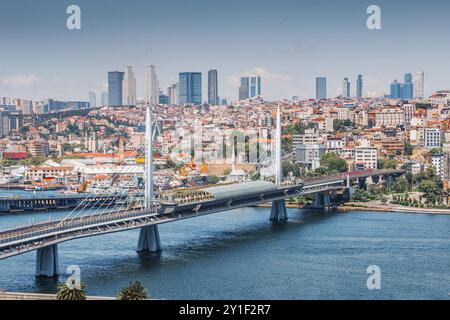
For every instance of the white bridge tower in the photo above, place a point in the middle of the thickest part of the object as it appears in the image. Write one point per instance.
(149, 236)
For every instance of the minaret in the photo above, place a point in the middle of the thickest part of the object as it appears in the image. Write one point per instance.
(148, 159)
(278, 164)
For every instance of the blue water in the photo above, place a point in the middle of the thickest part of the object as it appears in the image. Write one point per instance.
(241, 255)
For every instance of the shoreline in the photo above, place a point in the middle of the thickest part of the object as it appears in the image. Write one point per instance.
(360, 206)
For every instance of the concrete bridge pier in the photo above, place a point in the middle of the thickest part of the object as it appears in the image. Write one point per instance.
(278, 211)
(376, 179)
(47, 264)
(322, 200)
(362, 182)
(149, 239)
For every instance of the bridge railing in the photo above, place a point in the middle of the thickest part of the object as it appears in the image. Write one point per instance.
(80, 222)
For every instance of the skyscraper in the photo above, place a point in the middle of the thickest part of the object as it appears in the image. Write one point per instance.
(4, 124)
(396, 89)
(151, 86)
(213, 87)
(346, 88)
(104, 98)
(359, 86)
(129, 87)
(190, 88)
(92, 99)
(419, 85)
(321, 88)
(244, 89)
(407, 87)
(115, 87)
(172, 93)
(250, 87)
(255, 86)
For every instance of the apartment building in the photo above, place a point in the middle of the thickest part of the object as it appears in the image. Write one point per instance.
(366, 157)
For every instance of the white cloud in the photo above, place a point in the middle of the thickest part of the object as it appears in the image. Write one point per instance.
(20, 80)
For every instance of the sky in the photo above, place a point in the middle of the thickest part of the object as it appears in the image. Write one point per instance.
(287, 42)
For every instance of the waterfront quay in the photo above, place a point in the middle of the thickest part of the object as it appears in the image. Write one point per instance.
(57, 202)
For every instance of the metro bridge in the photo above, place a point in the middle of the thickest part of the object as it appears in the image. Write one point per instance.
(147, 212)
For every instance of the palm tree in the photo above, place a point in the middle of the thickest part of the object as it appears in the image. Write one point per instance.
(71, 293)
(135, 291)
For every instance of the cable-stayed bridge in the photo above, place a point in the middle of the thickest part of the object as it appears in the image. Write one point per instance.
(146, 211)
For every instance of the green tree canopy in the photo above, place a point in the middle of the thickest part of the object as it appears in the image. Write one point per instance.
(333, 163)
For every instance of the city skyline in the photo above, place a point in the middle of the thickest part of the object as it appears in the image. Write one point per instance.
(287, 53)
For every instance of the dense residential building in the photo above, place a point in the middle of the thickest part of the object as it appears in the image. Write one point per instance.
(38, 148)
(115, 87)
(430, 137)
(390, 117)
(437, 161)
(213, 87)
(335, 144)
(309, 137)
(392, 145)
(366, 157)
(309, 154)
(190, 88)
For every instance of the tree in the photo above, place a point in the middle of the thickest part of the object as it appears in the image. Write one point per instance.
(333, 163)
(435, 151)
(8, 162)
(338, 125)
(226, 172)
(408, 149)
(135, 291)
(387, 164)
(35, 161)
(71, 293)
(400, 185)
(360, 196)
(213, 180)
(432, 191)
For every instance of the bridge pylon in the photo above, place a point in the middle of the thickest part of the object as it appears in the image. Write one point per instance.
(47, 262)
(278, 211)
(149, 236)
(278, 151)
